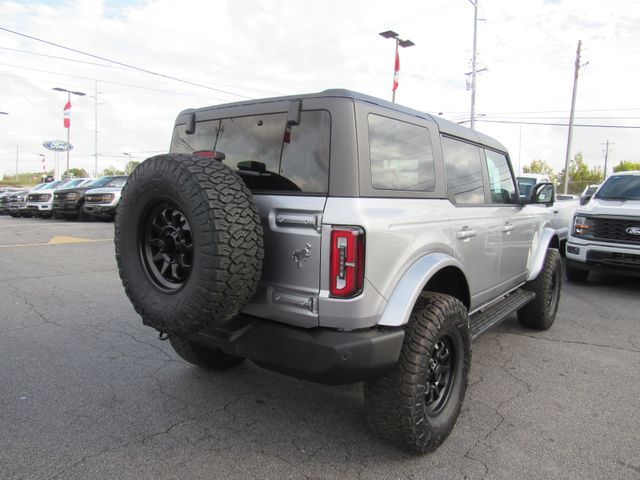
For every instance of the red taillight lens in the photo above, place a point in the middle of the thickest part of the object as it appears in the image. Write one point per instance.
(347, 262)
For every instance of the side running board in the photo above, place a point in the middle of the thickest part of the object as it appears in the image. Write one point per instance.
(484, 319)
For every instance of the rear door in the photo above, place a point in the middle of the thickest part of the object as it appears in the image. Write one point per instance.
(284, 160)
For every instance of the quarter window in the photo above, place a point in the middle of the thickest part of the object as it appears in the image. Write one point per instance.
(401, 155)
(464, 171)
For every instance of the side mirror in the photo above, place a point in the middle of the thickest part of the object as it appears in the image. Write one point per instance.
(543, 193)
(585, 199)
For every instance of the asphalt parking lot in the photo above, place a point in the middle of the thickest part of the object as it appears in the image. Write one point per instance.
(86, 391)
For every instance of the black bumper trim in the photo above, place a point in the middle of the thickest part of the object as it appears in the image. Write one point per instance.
(617, 268)
(321, 355)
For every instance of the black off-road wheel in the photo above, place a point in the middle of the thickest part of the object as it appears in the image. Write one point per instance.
(209, 359)
(416, 404)
(188, 242)
(575, 274)
(540, 313)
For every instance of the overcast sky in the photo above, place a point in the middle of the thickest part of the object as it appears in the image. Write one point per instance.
(238, 49)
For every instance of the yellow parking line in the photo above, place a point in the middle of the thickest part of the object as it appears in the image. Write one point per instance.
(58, 240)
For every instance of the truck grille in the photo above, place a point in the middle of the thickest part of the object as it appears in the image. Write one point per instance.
(42, 197)
(615, 229)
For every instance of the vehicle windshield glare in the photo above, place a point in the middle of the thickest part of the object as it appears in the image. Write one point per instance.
(620, 187)
(107, 181)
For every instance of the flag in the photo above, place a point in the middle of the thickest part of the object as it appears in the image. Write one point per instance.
(67, 115)
(396, 71)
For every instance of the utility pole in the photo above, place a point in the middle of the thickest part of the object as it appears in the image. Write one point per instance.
(95, 140)
(474, 63)
(606, 156)
(571, 117)
(17, 154)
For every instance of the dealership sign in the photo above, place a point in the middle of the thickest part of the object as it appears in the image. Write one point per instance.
(57, 146)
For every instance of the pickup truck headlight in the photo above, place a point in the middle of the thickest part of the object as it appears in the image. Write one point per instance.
(582, 225)
(100, 198)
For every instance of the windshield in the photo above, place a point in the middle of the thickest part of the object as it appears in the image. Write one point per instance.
(74, 183)
(51, 186)
(108, 182)
(620, 187)
(525, 185)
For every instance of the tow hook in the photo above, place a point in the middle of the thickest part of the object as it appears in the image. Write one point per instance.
(162, 336)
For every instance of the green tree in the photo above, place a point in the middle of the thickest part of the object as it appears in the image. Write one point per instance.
(75, 173)
(542, 167)
(626, 165)
(131, 166)
(580, 175)
(112, 171)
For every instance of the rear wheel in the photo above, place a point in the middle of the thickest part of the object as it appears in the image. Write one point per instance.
(209, 359)
(416, 404)
(188, 243)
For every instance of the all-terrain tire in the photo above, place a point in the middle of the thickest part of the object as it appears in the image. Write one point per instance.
(188, 243)
(575, 274)
(209, 359)
(540, 313)
(404, 405)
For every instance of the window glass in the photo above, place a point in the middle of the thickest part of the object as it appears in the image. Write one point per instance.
(464, 171)
(501, 184)
(401, 155)
(268, 154)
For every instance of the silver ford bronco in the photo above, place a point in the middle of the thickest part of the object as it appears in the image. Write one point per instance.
(338, 238)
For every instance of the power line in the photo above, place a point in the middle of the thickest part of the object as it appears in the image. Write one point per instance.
(555, 124)
(132, 67)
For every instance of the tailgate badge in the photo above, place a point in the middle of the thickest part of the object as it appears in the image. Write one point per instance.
(302, 255)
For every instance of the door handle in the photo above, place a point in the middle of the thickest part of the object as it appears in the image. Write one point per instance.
(466, 232)
(507, 228)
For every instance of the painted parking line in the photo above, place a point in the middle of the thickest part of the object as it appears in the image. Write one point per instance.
(59, 240)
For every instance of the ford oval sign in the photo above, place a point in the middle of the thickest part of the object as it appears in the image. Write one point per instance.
(633, 230)
(57, 145)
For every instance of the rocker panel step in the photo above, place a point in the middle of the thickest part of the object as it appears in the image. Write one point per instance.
(486, 318)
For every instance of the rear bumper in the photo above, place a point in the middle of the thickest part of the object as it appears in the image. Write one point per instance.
(321, 355)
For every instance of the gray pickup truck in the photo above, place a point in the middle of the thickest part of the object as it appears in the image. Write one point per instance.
(338, 238)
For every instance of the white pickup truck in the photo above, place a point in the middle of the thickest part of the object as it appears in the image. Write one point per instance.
(562, 209)
(605, 233)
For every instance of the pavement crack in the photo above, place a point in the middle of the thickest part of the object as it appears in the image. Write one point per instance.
(31, 306)
(572, 342)
(68, 468)
(629, 466)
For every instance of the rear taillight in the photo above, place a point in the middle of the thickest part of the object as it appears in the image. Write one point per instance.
(347, 262)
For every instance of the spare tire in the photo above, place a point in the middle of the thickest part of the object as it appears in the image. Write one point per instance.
(188, 243)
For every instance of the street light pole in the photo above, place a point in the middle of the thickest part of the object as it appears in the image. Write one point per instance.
(69, 92)
(396, 64)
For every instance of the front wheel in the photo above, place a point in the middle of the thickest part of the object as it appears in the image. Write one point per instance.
(416, 404)
(540, 313)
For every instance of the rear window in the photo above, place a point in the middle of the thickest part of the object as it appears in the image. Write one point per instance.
(269, 155)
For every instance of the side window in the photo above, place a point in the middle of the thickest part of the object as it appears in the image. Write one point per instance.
(401, 155)
(501, 184)
(464, 171)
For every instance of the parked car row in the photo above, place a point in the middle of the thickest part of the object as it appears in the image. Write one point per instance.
(71, 199)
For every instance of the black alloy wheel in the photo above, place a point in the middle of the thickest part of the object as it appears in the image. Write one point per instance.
(440, 375)
(166, 246)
